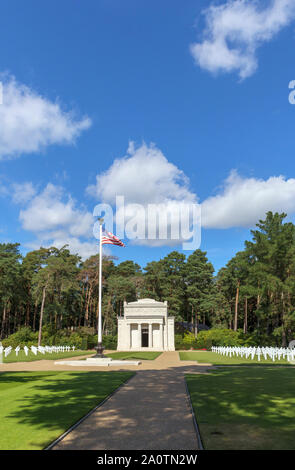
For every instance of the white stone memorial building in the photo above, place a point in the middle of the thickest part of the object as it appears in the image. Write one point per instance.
(146, 326)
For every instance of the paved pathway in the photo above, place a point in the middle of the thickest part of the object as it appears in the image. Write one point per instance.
(151, 411)
(164, 361)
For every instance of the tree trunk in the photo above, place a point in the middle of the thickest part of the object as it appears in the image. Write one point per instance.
(86, 318)
(41, 316)
(8, 320)
(236, 307)
(3, 322)
(258, 300)
(196, 325)
(284, 338)
(246, 316)
(16, 315)
(35, 315)
(28, 309)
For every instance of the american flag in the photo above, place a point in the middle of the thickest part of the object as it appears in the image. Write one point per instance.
(109, 238)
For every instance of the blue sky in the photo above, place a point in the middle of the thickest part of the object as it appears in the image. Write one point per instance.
(84, 79)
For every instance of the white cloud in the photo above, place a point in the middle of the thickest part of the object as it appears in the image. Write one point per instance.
(29, 122)
(85, 249)
(49, 211)
(22, 192)
(144, 176)
(4, 187)
(235, 30)
(243, 201)
(55, 219)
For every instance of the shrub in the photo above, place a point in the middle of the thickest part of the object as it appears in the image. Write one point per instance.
(208, 338)
(187, 341)
(85, 331)
(218, 337)
(109, 342)
(181, 346)
(226, 337)
(257, 339)
(178, 338)
(204, 343)
(24, 336)
(189, 338)
(84, 344)
(91, 341)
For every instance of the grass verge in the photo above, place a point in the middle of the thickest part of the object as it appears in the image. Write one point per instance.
(245, 408)
(144, 355)
(37, 407)
(21, 357)
(209, 357)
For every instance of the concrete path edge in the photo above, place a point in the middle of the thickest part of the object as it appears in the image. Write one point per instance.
(75, 425)
(197, 429)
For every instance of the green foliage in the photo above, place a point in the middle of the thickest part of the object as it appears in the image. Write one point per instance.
(178, 341)
(84, 343)
(257, 286)
(218, 337)
(25, 336)
(258, 338)
(22, 337)
(227, 337)
(82, 338)
(53, 291)
(186, 341)
(109, 342)
(128, 268)
(207, 339)
(200, 287)
(188, 338)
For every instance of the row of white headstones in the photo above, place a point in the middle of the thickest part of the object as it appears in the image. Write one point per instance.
(275, 354)
(36, 349)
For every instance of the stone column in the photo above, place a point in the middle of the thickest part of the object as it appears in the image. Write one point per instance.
(150, 335)
(128, 328)
(165, 330)
(139, 335)
(171, 345)
(161, 336)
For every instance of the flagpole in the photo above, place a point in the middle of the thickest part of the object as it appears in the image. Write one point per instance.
(99, 348)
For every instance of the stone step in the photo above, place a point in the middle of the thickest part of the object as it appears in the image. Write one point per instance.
(97, 362)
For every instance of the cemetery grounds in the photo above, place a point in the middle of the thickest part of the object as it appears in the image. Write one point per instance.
(243, 404)
(36, 407)
(238, 403)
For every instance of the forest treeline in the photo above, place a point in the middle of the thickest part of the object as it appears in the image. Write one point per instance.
(254, 292)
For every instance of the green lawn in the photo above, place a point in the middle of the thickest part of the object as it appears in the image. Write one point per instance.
(144, 355)
(12, 357)
(218, 359)
(245, 408)
(37, 407)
